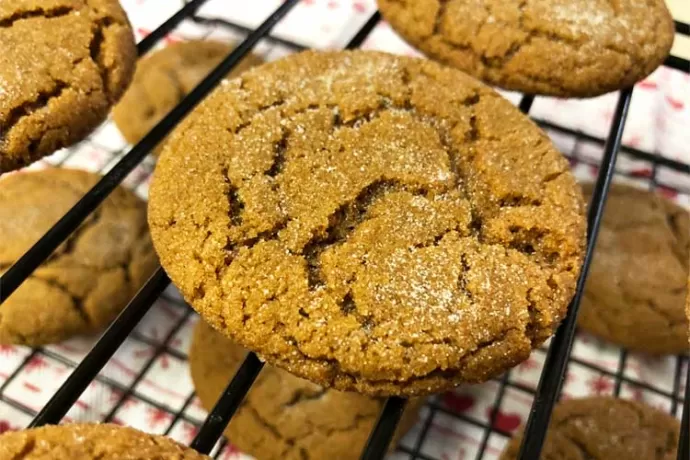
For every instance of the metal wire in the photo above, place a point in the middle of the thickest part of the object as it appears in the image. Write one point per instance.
(684, 444)
(556, 361)
(380, 437)
(148, 42)
(227, 404)
(557, 357)
(104, 349)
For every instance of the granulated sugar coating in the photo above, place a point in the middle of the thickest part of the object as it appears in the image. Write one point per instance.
(63, 64)
(369, 222)
(570, 48)
(104, 441)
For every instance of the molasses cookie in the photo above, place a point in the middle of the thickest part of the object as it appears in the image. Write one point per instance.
(635, 292)
(369, 222)
(89, 278)
(63, 64)
(568, 48)
(285, 417)
(605, 428)
(90, 441)
(164, 77)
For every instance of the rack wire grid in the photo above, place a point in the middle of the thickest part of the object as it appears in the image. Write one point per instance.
(131, 167)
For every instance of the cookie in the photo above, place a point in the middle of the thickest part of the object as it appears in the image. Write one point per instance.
(568, 48)
(635, 292)
(88, 279)
(90, 441)
(369, 222)
(63, 64)
(166, 76)
(605, 428)
(285, 417)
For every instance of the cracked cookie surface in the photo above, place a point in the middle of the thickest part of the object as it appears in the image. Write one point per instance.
(283, 416)
(369, 222)
(636, 289)
(567, 48)
(164, 77)
(63, 64)
(103, 441)
(605, 428)
(89, 279)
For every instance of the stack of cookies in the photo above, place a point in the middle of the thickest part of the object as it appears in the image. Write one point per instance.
(370, 225)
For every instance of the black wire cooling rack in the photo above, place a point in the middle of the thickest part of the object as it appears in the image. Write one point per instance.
(557, 357)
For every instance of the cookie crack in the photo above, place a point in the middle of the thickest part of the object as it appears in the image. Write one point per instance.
(262, 421)
(345, 220)
(70, 244)
(436, 239)
(30, 107)
(359, 418)
(40, 12)
(257, 113)
(660, 311)
(27, 449)
(232, 248)
(682, 247)
(77, 301)
(302, 396)
(279, 149)
(96, 52)
(348, 306)
(440, 13)
(295, 444)
(235, 203)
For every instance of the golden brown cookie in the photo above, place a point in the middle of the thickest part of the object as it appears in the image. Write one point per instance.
(91, 441)
(369, 222)
(164, 77)
(89, 278)
(569, 48)
(636, 288)
(285, 417)
(63, 64)
(605, 428)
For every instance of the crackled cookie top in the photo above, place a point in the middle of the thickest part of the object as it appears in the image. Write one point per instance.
(558, 47)
(91, 441)
(285, 417)
(63, 63)
(369, 222)
(635, 292)
(162, 80)
(605, 428)
(89, 278)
